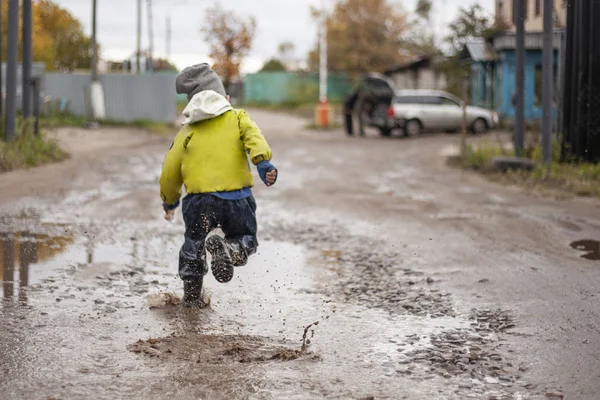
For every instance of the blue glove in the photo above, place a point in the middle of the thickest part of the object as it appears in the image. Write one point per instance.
(263, 168)
(168, 207)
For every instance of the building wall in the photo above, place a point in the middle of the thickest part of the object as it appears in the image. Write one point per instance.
(425, 78)
(481, 86)
(534, 17)
(505, 84)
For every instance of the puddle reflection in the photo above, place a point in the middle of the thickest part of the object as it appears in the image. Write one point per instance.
(18, 252)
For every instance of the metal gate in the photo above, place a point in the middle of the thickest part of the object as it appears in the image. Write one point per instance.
(581, 105)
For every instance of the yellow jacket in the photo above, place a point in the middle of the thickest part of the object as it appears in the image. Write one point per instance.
(210, 153)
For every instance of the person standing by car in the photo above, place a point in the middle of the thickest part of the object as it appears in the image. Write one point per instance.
(349, 110)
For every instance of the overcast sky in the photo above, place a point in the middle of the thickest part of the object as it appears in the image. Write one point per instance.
(278, 20)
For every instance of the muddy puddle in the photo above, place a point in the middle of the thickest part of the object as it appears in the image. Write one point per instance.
(104, 302)
(108, 309)
(27, 258)
(590, 249)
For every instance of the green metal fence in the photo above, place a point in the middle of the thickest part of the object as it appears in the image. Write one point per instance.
(292, 88)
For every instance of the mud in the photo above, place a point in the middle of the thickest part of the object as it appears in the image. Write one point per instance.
(219, 349)
(424, 284)
(590, 249)
(367, 273)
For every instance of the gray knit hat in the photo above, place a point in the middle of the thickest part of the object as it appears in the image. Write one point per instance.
(197, 78)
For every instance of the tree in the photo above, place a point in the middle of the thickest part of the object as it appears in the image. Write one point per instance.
(72, 48)
(422, 41)
(162, 64)
(286, 49)
(273, 65)
(423, 9)
(470, 22)
(230, 38)
(58, 37)
(363, 35)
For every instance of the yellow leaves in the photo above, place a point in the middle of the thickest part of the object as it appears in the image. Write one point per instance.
(58, 37)
(42, 40)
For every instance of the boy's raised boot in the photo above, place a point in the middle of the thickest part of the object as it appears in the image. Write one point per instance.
(221, 265)
(238, 255)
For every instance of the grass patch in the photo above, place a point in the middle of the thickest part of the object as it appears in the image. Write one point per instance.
(28, 150)
(65, 120)
(60, 120)
(581, 179)
(578, 179)
(159, 128)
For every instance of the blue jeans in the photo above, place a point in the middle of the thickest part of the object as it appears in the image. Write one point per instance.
(202, 213)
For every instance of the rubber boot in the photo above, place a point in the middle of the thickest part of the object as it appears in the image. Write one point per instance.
(237, 253)
(221, 265)
(192, 294)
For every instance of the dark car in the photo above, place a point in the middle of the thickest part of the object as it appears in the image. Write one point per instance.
(375, 94)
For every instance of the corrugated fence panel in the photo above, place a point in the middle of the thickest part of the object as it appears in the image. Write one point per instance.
(38, 70)
(292, 87)
(131, 98)
(71, 88)
(127, 97)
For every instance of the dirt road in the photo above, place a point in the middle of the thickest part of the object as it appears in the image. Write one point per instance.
(426, 282)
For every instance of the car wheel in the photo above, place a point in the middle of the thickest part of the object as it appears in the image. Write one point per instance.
(385, 132)
(413, 128)
(480, 126)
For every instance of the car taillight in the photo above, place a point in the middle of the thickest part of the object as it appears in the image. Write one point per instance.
(391, 112)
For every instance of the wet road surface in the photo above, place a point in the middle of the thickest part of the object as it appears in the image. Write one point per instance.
(426, 282)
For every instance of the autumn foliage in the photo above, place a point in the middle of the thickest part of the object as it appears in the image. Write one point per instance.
(230, 38)
(58, 38)
(364, 35)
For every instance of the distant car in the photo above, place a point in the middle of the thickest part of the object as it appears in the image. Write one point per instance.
(415, 111)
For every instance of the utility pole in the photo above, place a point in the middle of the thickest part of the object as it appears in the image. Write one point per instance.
(519, 102)
(547, 81)
(150, 36)
(323, 108)
(323, 58)
(98, 108)
(94, 42)
(11, 68)
(27, 59)
(139, 36)
(168, 38)
(465, 98)
(1, 87)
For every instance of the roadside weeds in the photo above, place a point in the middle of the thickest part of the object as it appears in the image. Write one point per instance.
(568, 179)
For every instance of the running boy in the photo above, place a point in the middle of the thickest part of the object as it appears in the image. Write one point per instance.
(209, 157)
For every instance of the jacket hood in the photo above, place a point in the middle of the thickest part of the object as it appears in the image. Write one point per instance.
(205, 105)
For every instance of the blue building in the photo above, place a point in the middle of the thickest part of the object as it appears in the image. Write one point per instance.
(492, 79)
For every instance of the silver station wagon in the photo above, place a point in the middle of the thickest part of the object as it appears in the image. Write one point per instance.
(416, 111)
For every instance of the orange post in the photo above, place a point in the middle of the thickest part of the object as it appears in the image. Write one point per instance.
(323, 115)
